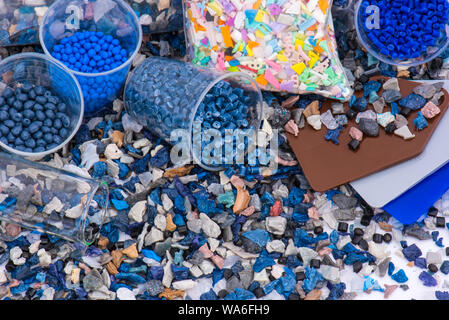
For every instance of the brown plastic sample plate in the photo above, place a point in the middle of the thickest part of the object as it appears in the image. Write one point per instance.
(327, 165)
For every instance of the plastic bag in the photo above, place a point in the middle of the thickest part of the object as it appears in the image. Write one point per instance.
(285, 45)
(19, 19)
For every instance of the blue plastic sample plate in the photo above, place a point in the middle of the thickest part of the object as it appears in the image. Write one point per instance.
(415, 202)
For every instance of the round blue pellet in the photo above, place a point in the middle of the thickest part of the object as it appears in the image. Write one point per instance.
(38, 135)
(57, 123)
(48, 123)
(4, 130)
(3, 115)
(41, 100)
(7, 93)
(17, 117)
(35, 126)
(9, 123)
(57, 139)
(25, 135)
(30, 143)
(38, 107)
(4, 140)
(50, 114)
(18, 142)
(48, 137)
(18, 105)
(17, 130)
(27, 87)
(40, 115)
(64, 133)
(29, 114)
(41, 143)
(39, 149)
(39, 90)
(11, 138)
(26, 122)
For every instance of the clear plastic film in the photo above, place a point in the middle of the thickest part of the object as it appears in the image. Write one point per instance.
(285, 45)
(51, 200)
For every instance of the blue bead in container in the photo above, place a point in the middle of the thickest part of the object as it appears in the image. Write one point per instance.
(98, 46)
(402, 32)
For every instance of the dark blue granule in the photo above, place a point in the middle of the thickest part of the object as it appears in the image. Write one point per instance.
(268, 288)
(242, 294)
(413, 101)
(444, 268)
(180, 273)
(217, 275)
(140, 166)
(391, 268)
(359, 104)
(263, 261)
(371, 86)
(209, 295)
(303, 239)
(116, 194)
(155, 273)
(435, 235)
(400, 276)
(353, 257)
(82, 135)
(412, 252)
(421, 263)
(99, 169)
(293, 262)
(335, 290)
(442, 295)
(131, 184)
(333, 135)
(439, 242)
(132, 277)
(93, 252)
(427, 279)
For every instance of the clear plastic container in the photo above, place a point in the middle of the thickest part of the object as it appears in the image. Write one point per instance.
(112, 17)
(164, 95)
(40, 70)
(432, 52)
(57, 202)
(19, 23)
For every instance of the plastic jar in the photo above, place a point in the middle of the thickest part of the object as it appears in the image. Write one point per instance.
(164, 95)
(40, 70)
(432, 52)
(113, 17)
(50, 200)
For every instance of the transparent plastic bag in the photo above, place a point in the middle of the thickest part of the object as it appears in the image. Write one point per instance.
(19, 19)
(286, 46)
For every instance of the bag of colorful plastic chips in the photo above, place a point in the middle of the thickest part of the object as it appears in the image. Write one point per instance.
(285, 45)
